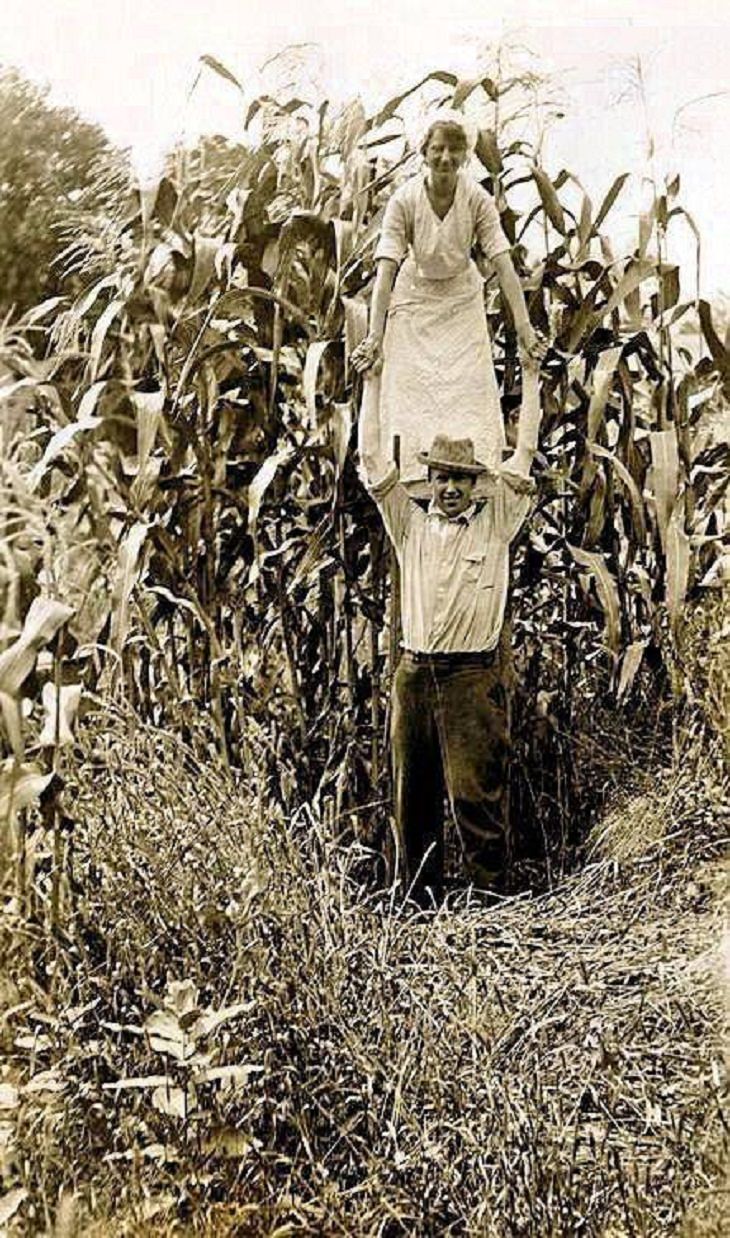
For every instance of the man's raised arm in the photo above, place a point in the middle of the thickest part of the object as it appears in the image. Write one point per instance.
(373, 458)
(528, 421)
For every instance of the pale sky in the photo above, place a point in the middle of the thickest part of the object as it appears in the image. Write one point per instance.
(129, 65)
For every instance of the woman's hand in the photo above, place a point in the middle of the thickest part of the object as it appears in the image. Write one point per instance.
(368, 355)
(531, 344)
(519, 463)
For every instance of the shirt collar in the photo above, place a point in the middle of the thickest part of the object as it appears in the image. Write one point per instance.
(464, 517)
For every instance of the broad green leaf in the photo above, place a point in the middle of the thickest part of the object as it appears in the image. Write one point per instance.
(630, 663)
(229, 1142)
(167, 1036)
(181, 997)
(669, 287)
(340, 424)
(633, 276)
(719, 353)
(83, 304)
(637, 503)
(585, 224)
(45, 616)
(9, 1096)
(601, 379)
(607, 591)
(665, 476)
(39, 312)
(488, 152)
(678, 557)
(20, 787)
(221, 70)
(549, 198)
(174, 1101)
(391, 107)
(124, 582)
(16, 663)
(466, 87)
(313, 360)
(210, 1020)
(136, 1081)
(60, 709)
(12, 723)
(205, 249)
(344, 242)
(10, 1202)
(61, 439)
(148, 406)
(234, 1076)
(261, 482)
(98, 335)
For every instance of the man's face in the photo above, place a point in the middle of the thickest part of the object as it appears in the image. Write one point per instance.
(452, 492)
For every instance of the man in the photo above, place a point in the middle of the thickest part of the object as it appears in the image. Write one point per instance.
(449, 710)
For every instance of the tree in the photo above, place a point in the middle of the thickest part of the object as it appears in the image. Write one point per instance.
(48, 158)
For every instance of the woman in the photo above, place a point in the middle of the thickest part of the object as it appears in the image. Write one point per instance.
(427, 325)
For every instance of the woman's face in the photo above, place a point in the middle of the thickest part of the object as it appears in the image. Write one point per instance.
(444, 154)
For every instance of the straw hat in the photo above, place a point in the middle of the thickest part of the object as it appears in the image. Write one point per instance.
(454, 455)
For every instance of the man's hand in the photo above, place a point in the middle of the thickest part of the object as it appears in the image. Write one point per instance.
(532, 345)
(368, 355)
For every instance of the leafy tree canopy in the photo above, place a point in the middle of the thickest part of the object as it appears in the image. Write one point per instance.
(49, 158)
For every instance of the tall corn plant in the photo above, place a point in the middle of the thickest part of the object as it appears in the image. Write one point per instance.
(193, 413)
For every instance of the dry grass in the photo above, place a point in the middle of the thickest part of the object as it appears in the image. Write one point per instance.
(553, 1066)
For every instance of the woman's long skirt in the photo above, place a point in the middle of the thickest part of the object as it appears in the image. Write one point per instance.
(438, 375)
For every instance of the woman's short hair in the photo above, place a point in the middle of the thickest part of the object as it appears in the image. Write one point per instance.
(456, 124)
(452, 128)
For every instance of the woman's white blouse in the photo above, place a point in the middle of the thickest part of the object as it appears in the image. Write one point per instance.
(440, 248)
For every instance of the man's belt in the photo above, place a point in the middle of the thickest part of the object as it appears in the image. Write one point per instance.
(481, 657)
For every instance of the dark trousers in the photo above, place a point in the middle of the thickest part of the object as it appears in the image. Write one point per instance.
(449, 737)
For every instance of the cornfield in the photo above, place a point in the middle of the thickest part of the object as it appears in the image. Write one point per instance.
(186, 548)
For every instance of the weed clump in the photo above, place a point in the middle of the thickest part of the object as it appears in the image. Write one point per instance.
(236, 1038)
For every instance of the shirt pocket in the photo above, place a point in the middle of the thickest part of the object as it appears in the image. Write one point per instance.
(472, 566)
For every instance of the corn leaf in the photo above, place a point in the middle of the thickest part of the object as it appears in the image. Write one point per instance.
(59, 441)
(391, 107)
(602, 379)
(310, 377)
(665, 476)
(633, 276)
(12, 723)
(45, 616)
(213, 63)
(60, 709)
(606, 589)
(124, 582)
(99, 334)
(261, 482)
(678, 557)
(10, 1202)
(20, 787)
(609, 200)
(637, 503)
(205, 250)
(630, 663)
(550, 200)
(148, 406)
(488, 152)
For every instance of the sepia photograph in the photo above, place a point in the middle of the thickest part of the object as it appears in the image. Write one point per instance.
(364, 619)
